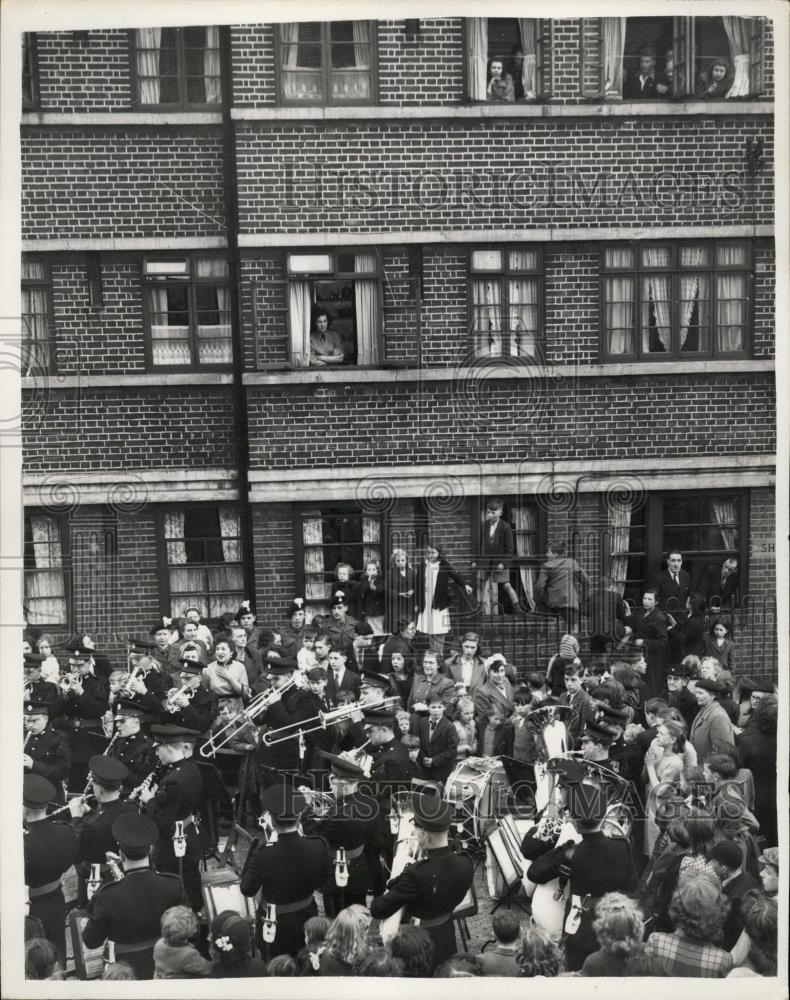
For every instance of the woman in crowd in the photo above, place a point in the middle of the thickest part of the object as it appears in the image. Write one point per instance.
(428, 683)
(619, 929)
(664, 766)
(465, 667)
(497, 691)
(50, 668)
(689, 635)
(757, 752)
(694, 836)
(231, 948)
(537, 953)
(414, 947)
(759, 915)
(225, 677)
(697, 913)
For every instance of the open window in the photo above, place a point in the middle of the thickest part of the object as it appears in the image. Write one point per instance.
(505, 59)
(335, 308)
(506, 300)
(177, 68)
(324, 63)
(528, 521)
(660, 58)
(187, 309)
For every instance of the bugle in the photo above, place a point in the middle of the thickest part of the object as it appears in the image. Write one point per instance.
(259, 704)
(322, 720)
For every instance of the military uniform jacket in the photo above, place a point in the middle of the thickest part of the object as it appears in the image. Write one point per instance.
(179, 795)
(49, 851)
(199, 713)
(51, 755)
(80, 716)
(294, 706)
(289, 870)
(352, 823)
(129, 912)
(392, 768)
(429, 888)
(94, 835)
(599, 864)
(42, 690)
(136, 752)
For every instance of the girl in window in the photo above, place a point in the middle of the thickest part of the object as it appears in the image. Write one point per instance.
(325, 347)
(715, 81)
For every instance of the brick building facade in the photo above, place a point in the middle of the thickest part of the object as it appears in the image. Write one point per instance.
(565, 301)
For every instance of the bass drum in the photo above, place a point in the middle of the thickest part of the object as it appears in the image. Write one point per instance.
(548, 900)
(478, 789)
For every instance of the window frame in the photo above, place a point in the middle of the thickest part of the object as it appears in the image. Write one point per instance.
(544, 68)
(45, 283)
(674, 270)
(335, 508)
(326, 99)
(30, 70)
(504, 275)
(162, 565)
(62, 523)
(191, 281)
(183, 104)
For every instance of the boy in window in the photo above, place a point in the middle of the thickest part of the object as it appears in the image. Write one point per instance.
(325, 347)
(646, 83)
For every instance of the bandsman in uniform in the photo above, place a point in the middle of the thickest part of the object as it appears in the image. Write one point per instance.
(128, 912)
(350, 824)
(276, 763)
(49, 853)
(194, 707)
(78, 711)
(37, 688)
(316, 700)
(432, 888)
(161, 633)
(132, 748)
(151, 672)
(178, 796)
(45, 751)
(287, 870)
(94, 826)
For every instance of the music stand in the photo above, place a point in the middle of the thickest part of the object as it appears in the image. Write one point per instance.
(503, 845)
(88, 962)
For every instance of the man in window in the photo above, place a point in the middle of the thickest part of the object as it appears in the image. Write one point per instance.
(720, 583)
(647, 82)
(673, 584)
(497, 549)
(325, 346)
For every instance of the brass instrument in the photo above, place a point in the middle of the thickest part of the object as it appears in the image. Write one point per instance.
(28, 737)
(170, 700)
(68, 680)
(108, 724)
(259, 704)
(322, 720)
(114, 864)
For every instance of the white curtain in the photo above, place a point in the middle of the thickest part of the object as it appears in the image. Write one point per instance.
(528, 31)
(657, 287)
(215, 345)
(620, 303)
(354, 84)
(739, 36)
(525, 521)
(523, 294)
(366, 304)
(313, 538)
(726, 514)
(730, 299)
(230, 530)
(612, 46)
(35, 327)
(295, 84)
(371, 541)
(147, 45)
(477, 57)
(487, 303)
(619, 516)
(299, 306)
(169, 343)
(361, 31)
(211, 67)
(689, 291)
(174, 538)
(44, 588)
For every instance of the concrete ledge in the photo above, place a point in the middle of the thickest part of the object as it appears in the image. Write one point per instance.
(419, 112)
(122, 118)
(130, 381)
(152, 243)
(538, 234)
(128, 491)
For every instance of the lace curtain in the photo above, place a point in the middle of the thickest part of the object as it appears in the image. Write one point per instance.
(487, 304)
(367, 308)
(730, 300)
(211, 67)
(726, 514)
(523, 307)
(477, 57)
(230, 530)
(147, 42)
(316, 589)
(45, 594)
(169, 343)
(371, 541)
(528, 31)
(612, 46)
(620, 303)
(354, 84)
(619, 520)
(525, 521)
(738, 31)
(689, 290)
(299, 309)
(655, 291)
(35, 328)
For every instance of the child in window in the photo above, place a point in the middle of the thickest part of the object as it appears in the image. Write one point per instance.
(371, 593)
(715, 81)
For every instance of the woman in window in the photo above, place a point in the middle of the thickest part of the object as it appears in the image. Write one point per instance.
(500, 84)
(433, 596)
(715, 81)
(325, 347)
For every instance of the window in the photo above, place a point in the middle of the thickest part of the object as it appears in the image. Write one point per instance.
(506, 286)
(327, 63)
(664, 57)
(187, 303)
(684, 301)
(505, 59)
(46, 592)
(335, 308)
(328, 536)
(705, 529)
(528, 522)
(29, 72)
(204, 562)
(36, 292)
(177, 67)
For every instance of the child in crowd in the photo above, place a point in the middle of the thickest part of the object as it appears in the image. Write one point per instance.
(371, 597)
(175, 957)
(719, 646)
(501, 959)
(555, 671)
(466, 728)
(309, 958)
(496, 734)
(306, 658)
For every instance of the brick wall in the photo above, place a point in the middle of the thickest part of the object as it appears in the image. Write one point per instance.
(275, 579)
(89, 73)
(400, 176)
(135, 182)
(425, 69)
(94, 429)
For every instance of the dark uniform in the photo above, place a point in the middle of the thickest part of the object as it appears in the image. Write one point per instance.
(80, 718)
(199, 713)
(319, 739)
(135, 752)
(287, 873)
(49, 852)
(129, 912)
(276, 761)
(351, 823)
(178, 797)
(50, 753)
(430, 889)
(391, 771)
(40, 689)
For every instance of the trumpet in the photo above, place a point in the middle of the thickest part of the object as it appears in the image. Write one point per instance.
(322, 720)
(170, 700)
(259, 704)
(67, 680)
(126, 687)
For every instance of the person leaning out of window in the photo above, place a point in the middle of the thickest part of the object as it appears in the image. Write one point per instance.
(325, 346)
(500, 84)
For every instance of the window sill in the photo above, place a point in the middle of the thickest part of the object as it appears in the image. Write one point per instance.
(489, 369)
(596, 109)
(122, 118)
(132, 380)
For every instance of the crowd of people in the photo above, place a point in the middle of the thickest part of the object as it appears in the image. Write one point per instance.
(322, 723)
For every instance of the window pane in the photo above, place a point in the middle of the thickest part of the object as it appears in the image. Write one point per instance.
(694, 256)
(656, 257)
(619, 257)
(694, 312)
(731, 254)
(730, 312)
(656, 319)
(523, 260)
(486, 260)
(316, 263)
(33, 270)
(169, 317)
(620, 314)
(523, 316)
(213, 324)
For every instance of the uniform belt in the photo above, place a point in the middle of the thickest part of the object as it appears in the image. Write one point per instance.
(43, 890)
(124, 949)
(300, 904)
(354, 852)
(435, 921)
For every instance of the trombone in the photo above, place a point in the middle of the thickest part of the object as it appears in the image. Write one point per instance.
(322, 720)
(259, 704)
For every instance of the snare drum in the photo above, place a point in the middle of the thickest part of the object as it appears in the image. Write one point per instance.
(477, 788)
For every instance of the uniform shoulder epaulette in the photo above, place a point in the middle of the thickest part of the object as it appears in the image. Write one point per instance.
(164, 874)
